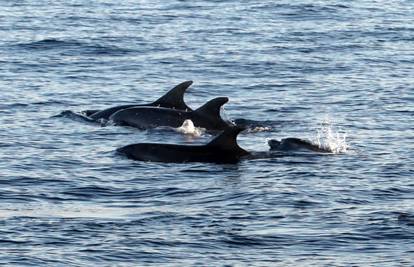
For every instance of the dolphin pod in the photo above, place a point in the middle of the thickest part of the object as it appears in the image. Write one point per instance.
(171, 110)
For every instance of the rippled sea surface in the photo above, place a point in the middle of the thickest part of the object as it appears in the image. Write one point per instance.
(67, 199)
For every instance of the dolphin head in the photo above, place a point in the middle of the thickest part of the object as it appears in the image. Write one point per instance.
(274, 144)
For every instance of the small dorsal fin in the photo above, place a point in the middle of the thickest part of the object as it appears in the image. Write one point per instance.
(227, 140)
(174, 98)
(210, 112)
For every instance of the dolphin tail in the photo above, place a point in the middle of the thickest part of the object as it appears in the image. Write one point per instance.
(227, 140)
(175, 97)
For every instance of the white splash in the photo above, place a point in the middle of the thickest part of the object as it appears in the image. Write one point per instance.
(189, 128)
(259, 129)
(329, 138)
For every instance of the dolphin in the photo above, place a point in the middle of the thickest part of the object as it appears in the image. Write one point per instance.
(207, 116)
(290, 144)
(222, 149)
(172, 99)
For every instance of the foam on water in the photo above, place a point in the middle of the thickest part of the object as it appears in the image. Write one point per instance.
(259, 129)
(64, 211)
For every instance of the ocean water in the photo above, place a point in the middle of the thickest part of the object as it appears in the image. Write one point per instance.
(333, 71)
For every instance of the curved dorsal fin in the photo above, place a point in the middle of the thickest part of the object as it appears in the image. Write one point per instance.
(175, 97)
(210, 112)
(227, 140)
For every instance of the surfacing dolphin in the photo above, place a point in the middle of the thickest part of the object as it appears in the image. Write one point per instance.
(222, 149)
(295, 144)
(172, 99)
(207, 116)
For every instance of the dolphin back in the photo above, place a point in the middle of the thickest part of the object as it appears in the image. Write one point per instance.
(168, 153)
(149, 117)
(222, 149)
(172, 99)
(106, 113)
(207, 116)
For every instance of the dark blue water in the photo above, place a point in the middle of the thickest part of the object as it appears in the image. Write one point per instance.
(68, 200)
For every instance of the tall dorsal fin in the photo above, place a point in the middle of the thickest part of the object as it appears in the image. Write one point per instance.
(227, 140)
(175, 97)
(210, 113)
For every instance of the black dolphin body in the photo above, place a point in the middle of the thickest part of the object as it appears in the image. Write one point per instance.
(172, 99)
(295, 144)
(207, 116)
(223, 149)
